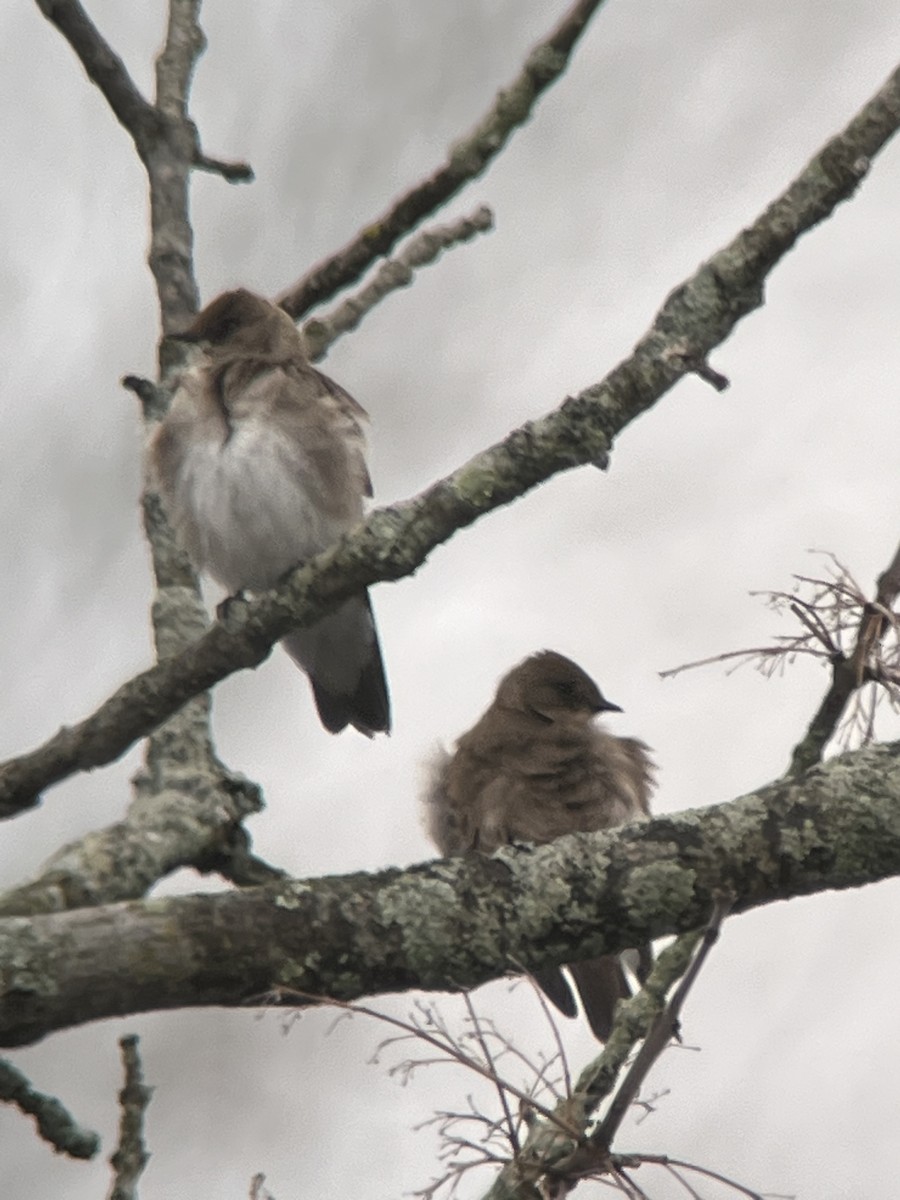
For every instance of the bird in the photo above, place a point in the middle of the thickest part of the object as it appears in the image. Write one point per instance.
(534, 767)
(260, 465)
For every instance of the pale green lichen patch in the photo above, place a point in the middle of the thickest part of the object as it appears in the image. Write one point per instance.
(291, 895)
(427, 915)
(475, 483)
(661, 885)
(796, 841)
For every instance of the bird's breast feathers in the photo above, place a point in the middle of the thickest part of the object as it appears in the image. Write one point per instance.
(258, 478)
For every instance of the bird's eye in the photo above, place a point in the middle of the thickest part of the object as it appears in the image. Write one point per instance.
(223, 329)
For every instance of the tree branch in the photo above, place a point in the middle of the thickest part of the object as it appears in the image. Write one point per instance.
(54, 1123)
(565, 1155)
(425, 248)
(104, 68)
(456, 923)
(849, 672)
(467, 160)
(393, 542)
(188, 806)
(130, 1156)
(196, 821)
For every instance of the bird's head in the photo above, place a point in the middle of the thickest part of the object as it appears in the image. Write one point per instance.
(241, 322)
(552, 687)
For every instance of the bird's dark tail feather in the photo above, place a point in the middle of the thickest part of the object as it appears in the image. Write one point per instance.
(367, 709)
(601, 985)
(342, 657)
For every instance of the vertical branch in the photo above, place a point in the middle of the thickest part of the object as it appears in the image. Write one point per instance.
(178, 614)
(130, 1156)
(169, 160)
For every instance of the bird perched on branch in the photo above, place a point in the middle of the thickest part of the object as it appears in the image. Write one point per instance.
(534, 767)
(260, 463)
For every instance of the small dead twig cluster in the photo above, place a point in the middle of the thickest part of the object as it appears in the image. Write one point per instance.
(543, 1136)
(858, 637)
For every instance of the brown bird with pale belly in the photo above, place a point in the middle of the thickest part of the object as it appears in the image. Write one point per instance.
(260, 463)
(537, 766)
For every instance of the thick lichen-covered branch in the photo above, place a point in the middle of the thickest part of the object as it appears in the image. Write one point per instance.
(456, 923)
(395, 541)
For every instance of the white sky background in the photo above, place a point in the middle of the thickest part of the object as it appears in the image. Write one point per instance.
(677, 122)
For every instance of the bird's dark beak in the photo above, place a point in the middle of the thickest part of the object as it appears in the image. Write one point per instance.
(608, 706)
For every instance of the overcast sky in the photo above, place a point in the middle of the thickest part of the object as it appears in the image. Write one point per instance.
(677, 122)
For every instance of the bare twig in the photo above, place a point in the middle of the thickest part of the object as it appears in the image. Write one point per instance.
(663, 1160)
(130, 1156)
(552, 1022)
(834, 611)
(445, 1043)
(889, 582)
(54, 1122)
(499, 1084)
(425, 248)
(233, 172)
(562, 1160)
(395, 542)
(659, 1035)
(467, 160)
(867, 662)
(257, 1190)
(766, 658)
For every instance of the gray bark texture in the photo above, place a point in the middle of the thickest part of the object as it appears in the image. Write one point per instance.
(455, 924)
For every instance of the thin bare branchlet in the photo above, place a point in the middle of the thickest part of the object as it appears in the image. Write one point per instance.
(648, 1104)
(54, 1123)
(468, 158)
(623, 1181)
(130, 1156)
(858, 637)
(257, 1190)
(480, 1036)
(541, 1135)
(553, 1026)
(674, 1167)
(660, 1033)
(425, 1023)
(322, 331)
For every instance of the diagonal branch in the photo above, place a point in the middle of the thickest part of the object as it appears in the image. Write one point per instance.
(425, 248)
(103, 66)
(849, 672)
(458, 923)
(467, 160)
(550, 1154)
(54, 1122)
(697, 316)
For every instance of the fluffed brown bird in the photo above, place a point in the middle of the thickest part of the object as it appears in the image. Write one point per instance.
(535, 767)
(260, 463)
